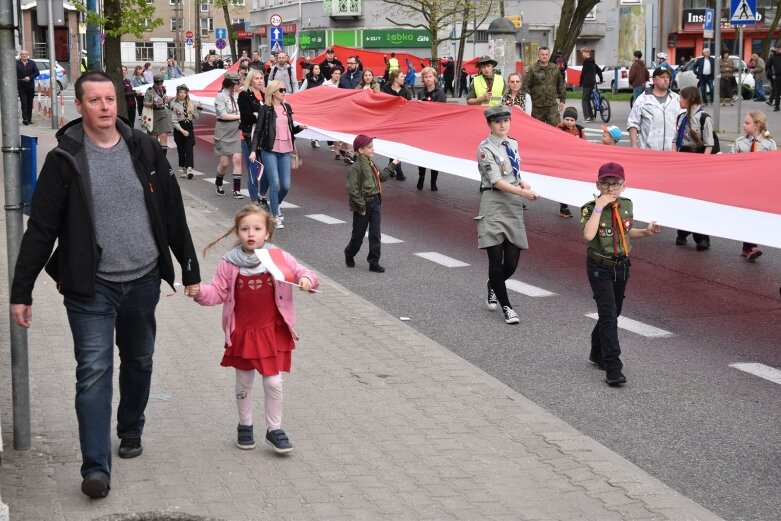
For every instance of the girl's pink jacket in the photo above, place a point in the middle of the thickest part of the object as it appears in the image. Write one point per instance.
(222, 288)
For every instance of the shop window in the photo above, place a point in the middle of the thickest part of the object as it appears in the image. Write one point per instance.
(144, 51)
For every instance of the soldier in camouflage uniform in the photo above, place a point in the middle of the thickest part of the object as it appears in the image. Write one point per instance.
(545, 86)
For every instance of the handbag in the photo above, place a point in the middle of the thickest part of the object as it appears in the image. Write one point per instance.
(147, 118)
(295, 159)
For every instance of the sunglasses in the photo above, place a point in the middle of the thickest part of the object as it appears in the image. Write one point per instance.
(281, 90)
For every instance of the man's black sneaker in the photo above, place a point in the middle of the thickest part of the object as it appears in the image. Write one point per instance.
(565, 212)
(349, 261)
(130, 448)
(615, 380)
(279, 440)
(95, 485)
(376, 268)
(490, 300)
(703, 245)
(245, 439)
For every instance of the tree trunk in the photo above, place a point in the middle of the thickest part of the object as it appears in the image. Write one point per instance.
(769, 38)
(112, 54)
(573, 14)
(461, 45)
(231, 33)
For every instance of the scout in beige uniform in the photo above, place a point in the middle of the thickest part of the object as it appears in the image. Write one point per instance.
(500, 228)
(607, 226)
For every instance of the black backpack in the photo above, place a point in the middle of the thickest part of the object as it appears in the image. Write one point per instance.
(716, 147)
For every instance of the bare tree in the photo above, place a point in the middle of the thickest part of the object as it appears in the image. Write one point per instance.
(120, 17)
(573, 14)
(771, 31)
(436, 15)
(478, 12)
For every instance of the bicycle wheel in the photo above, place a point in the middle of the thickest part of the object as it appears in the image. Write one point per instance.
(593, 108)
(605, 112)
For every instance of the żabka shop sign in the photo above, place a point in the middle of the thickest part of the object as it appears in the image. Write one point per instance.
(399, 38)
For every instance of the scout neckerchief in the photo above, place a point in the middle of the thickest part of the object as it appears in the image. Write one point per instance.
(619, 225)
(513, 160)
(376, 175)
(753, 144)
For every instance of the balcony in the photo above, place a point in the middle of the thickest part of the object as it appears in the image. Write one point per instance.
(342, 8)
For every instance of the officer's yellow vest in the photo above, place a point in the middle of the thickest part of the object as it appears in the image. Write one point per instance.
(496, 92)
(393, 65)
(83, 64)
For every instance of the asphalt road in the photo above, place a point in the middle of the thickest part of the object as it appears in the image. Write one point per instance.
(708, 430)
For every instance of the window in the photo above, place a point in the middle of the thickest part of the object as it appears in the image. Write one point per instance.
(172, 51)
(237, 21)
(480, 36)
(237, 2)
(174, 2)
(207, 26)
(148, 24)
(177, 24)
(204, 8)
(144, 51)
(591, 16)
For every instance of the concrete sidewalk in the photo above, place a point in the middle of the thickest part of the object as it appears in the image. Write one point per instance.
(386, 424)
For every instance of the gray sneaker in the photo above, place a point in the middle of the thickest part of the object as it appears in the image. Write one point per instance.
(279, 441)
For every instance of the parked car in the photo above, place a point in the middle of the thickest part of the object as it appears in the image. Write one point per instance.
(685, 77)
(573, 77)
(43, 79)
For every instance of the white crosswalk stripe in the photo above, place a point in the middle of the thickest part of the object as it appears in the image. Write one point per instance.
(327, 219)
(444, 260)
(527, 289)
(637, 327)
(760, 370)
(386, 239)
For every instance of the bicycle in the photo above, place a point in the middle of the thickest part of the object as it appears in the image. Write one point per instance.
(600, 105)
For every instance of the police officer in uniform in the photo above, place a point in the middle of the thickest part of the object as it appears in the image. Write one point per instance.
(607, 226)
(487, 88)
(500, 229)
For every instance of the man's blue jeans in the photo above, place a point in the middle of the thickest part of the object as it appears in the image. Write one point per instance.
(636, 91)
(276, 165)
(759, 90)
(128, 308)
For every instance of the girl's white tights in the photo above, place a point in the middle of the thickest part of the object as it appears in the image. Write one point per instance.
(272, 398)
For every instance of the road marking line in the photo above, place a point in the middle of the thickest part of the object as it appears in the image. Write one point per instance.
(637, 327)
(444, 260)
(527, 289)
(327, 219)
(286, 204)
(386, 239)
(760, 370)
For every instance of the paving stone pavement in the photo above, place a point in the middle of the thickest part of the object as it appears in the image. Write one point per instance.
(386, 423)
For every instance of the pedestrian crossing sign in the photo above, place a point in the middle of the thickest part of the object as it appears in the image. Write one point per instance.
(276, 47)
(743, 12)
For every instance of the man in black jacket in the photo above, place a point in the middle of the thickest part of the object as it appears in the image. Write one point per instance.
(704, 69)
(107, 195)
(588, 80)
(330, 63)
(773, 72)
(26, 72)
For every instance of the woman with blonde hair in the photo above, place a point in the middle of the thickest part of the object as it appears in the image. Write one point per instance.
(274, 138)
(755, 138)
(183, 113)
(227, 136)
(250, 103)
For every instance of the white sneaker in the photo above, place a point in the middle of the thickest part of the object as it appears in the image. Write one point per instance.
(490, 300)
(238, 195)
(314, 144)
(510, 316)
(278, 223)
(183, 172)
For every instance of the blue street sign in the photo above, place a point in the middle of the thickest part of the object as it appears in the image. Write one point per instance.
(221, 33)
(188, 42)
(276, 34)
(743, 12)
(220, 43)
(707, 24)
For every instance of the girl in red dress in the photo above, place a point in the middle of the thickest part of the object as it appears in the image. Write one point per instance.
(258, 317)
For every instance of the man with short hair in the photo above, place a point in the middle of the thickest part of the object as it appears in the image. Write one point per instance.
(352, 76)
(108, 264)
(638, 75)
(487, 88)
(773, 70)
(26, 72)
(331, 62)
(256, 63)
(652, 120)
(284, 72)
(545, 86)
(757, 65)
(704, 69)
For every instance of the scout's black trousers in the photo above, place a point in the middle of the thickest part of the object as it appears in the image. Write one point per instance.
(371, 220)
(26, 97)
(185, 144)
(608, 286)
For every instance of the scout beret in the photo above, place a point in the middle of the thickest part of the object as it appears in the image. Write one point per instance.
(361, 140)
(497, 112)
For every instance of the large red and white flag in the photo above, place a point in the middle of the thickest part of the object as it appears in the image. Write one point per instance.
(274, 261)
(726, 195)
